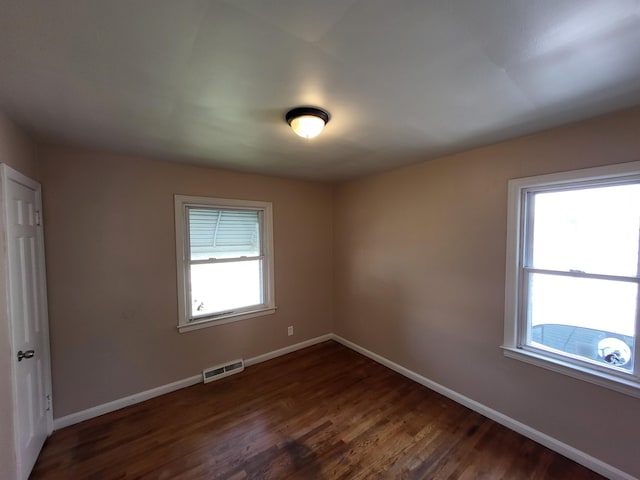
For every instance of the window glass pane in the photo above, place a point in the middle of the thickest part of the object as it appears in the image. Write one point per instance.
(216, 233)
(220, 287)
(593, 230)
(584, 317)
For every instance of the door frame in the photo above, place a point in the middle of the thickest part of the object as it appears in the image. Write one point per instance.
(8, 174)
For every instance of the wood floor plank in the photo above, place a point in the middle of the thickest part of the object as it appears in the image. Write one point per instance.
(324, 413)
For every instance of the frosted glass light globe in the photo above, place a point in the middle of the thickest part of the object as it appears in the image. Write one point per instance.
(307, 126)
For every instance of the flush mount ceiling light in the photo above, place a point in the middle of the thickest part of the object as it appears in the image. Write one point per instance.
(307, 122)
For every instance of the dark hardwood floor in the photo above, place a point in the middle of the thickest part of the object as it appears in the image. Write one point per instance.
(324, 412)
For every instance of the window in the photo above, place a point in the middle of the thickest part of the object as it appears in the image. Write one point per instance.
(225, 260)
(573, 274)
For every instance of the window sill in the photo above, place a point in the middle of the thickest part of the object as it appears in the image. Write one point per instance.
(612, 382)
(234, 317)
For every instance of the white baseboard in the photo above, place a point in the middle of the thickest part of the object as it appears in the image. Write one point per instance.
(289, 349)
(556, 445)
(98, 410)
(568, 451)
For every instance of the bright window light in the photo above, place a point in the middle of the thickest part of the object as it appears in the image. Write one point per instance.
(573, 274)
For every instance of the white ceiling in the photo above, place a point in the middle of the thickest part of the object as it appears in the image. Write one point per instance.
(209, 82)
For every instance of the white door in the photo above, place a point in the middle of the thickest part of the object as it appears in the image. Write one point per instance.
(33, 420)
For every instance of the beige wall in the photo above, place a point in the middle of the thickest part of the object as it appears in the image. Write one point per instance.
(110, 246)
(16, 151)
(419, 278)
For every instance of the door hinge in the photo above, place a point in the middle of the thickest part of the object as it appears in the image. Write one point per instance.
(48, 397)
(38, 218)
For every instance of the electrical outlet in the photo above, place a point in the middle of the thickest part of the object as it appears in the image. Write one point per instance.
(290, 330)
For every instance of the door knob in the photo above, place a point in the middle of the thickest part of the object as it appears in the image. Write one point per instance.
(27, 354)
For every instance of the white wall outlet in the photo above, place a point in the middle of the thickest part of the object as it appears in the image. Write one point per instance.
(290, 330)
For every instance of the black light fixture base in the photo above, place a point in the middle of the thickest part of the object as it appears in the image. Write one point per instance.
(301, 111)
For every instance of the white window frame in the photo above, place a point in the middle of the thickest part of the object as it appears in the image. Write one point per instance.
(515, 301)
(181, 203)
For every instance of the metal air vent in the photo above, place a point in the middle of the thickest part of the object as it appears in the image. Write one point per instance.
(221, 371)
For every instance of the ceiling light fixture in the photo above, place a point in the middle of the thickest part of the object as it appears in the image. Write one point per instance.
(307, 122)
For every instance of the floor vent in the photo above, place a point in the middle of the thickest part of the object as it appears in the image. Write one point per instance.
(220, 371)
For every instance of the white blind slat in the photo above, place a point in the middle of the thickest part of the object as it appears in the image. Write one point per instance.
(216, 233)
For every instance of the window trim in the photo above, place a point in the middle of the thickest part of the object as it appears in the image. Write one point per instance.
(514, 292)
(181, 202)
